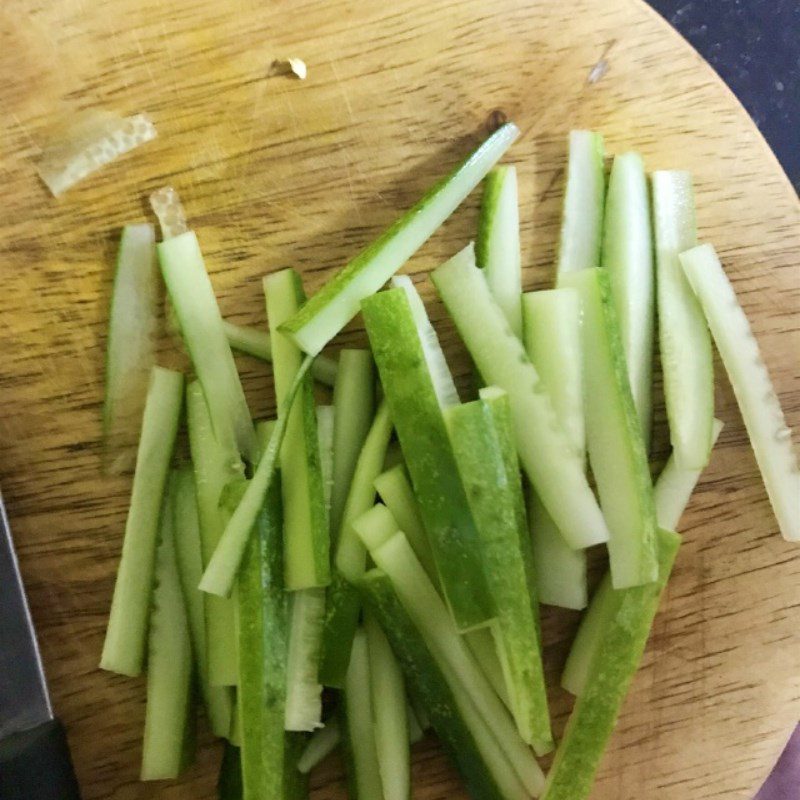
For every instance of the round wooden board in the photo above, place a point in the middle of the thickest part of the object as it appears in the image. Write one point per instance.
(278, 172)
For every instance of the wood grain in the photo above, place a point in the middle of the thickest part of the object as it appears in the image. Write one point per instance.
(277, 172)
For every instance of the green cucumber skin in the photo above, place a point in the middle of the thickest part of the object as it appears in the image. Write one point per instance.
(126, 636)
(262, 617)
(429, 456)
(229, 781)
(429, 685)
(377, 263)
(584, 199)
(354, 408)
(616, 448)
(343, 605)
(195, 303)
(612, 669)
(627, 254)
(169, 732)
(683, 337)
(483, 444)
(130, 351)
(306, 525)
(498, 233)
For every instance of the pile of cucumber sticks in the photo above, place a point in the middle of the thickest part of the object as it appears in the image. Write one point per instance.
(395, 546)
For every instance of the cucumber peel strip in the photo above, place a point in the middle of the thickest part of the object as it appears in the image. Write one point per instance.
(330, 309)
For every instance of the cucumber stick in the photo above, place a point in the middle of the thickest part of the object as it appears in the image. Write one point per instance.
(683, 338)
(674, 487)
(482, 438)
(218, 700)
(130, 351)
(328, 311)
(761, 410)
(616, 448)
(320, 745)
(553, 466)
(358, 726)
(325, 426)
(303, 689)
(221, 571)
(483, 646)
(389, 714)
(412, 395)
(354, 408)
(211, 476)
(306, 538)
(193, 299)
(612, 668)
(627, 254)
(584, 197)
(262, 625)
(257, 343)
(672, 492)
(126, 636)
(486, 769)
(429, 614)
(168, 744)
(552, 338)
(395, 490)
(341, 616)
(497, 249)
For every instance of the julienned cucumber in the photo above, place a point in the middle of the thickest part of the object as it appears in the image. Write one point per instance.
(429, 614)
(479, 757)
(584, 196)
(628, 256)
(262, 624)
(389, 714)
(483, 444)
(306, 539)
(354, 408)
(674, 487)
(395, 490)
(221, 571)
(358, 727)
(612, 668)
(415, 403)
(320, 745)
(218, 700)
(325, 426)
(497, 249)
(130, 352)
(257, 343)
(303, 689)
(614, 436)
(672, 492)
(211, 476)
(341, 615)
(554, 467)
(328, 311)
(126, 636)
(194, 302)
(168, 745)
(761, 410)
(484, 648)
(683, 338)
(552, 338)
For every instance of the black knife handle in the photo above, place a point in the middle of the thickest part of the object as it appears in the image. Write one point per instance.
(36, 765)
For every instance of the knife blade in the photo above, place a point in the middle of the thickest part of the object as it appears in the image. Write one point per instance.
(24, 699)
(35, 762)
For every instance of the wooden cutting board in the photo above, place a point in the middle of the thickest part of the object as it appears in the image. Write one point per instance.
(277, 172)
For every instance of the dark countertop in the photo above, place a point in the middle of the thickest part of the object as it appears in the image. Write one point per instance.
(753, 45)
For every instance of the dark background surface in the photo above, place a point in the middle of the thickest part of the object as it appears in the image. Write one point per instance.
(755, 47)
